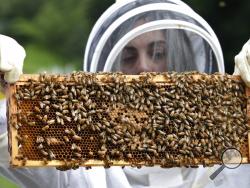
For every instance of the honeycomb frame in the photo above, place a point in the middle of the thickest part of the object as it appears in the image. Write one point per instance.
(156, 79)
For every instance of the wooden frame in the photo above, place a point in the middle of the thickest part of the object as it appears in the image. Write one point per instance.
(13, 143)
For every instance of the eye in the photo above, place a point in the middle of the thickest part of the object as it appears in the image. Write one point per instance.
(157, 51)
(158, 55)
(129, 55)
(129, 58)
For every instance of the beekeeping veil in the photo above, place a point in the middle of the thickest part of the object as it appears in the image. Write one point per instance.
(191, 44)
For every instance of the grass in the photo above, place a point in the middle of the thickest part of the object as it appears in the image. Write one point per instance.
(1, 95)
(5, 183)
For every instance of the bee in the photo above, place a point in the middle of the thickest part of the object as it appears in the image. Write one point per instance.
(78, 127)
(53, 141)
(56, 106)
(39, 117)
(17, 96)
(182, 152)
(74, 100)
(65, 111)
(47, 109)
(107, 93)
(170, 137)
(40, 146)
(75, 147)
(39, 139)
(73, 90)
(45, 128)
(72, 132)
(61, 121)
(44, 152)
(161, 132)
(36, 109)
(45, 118)
(24, 161)
(51, 155)
(64, 106)
(66, 139)
(50, 122)
(67, 118)
(61, 100)
(67, 131)
(101, 153)
(62, 86)
(19, 138)
(19, 157)
(129, 155)
(46, 102)
(58, 119)
(33, 123)
(65, 96)
(91, 154)
(88, 167)
(148, 157)
(78, 155)
(45, 161)
(208, 153)
(16, 126)
(46, 97)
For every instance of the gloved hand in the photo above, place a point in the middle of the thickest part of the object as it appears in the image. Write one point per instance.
(242, 63)
(11, 59)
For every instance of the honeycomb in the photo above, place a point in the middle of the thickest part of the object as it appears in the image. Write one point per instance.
(104, 119)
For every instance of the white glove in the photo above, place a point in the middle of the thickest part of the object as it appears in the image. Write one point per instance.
(11, 58)
(242, 63)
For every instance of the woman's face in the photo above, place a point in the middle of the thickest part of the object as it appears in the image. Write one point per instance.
(145, 53)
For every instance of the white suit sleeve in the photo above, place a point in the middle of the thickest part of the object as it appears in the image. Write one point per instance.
(242, 63)
(4, 155)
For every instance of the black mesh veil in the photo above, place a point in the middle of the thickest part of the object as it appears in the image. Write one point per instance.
(184, 49)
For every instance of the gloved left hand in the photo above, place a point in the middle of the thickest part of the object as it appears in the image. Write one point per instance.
(12, 56)
(242, 63)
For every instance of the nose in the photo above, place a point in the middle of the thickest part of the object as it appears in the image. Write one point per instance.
(144, 64)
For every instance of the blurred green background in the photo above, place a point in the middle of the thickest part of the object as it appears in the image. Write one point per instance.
(54, 33)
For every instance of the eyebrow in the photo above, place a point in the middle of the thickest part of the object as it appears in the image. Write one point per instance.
(159, 42)
(129, 49)
(151, 44)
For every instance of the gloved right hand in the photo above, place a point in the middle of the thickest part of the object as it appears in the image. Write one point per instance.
(242, 63)
(12, 56)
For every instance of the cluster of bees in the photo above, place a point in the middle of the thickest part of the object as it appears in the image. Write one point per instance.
(184, 121)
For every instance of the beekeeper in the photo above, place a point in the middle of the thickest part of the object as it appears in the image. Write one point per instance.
(161, 35)
(134, 36)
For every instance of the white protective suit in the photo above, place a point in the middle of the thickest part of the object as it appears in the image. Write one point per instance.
(115, 176)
